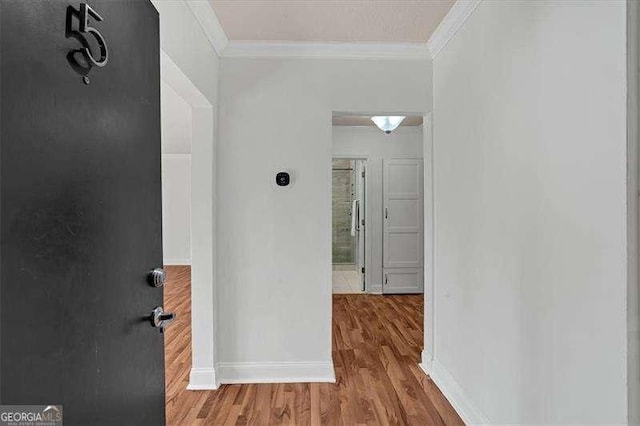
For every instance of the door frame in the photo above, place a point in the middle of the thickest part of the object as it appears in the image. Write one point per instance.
(428, 353)
(429, 236)
(633, 212)
(367, 216)
(203, 322)
(361, 178)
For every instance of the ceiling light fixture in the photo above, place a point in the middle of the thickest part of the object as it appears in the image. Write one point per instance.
(388, 123)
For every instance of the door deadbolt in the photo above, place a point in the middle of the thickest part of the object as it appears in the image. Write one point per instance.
(157, 277)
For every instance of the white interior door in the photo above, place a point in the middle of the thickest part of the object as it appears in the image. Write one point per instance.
(403, 226)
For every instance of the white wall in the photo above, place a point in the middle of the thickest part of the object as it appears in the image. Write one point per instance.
(530, 215)
(176, 209)
(179, 29)
(176, 177)
(177, 118)
(371, 142)
(274, 244)
(191, 66)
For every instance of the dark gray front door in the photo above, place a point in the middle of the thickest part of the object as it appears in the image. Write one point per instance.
(80, 211)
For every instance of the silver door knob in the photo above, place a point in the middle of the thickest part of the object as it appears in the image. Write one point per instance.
(161, 319)
(157, 277)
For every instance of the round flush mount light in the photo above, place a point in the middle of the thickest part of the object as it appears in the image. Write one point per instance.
(388, 123)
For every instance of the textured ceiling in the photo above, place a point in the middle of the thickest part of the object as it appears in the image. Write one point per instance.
(384, 21)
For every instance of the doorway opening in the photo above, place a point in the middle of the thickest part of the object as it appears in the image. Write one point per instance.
(377, 205)
(348, 204)
(177, 136)
(187, 119)
(176, 118)
(384, 324)
(377, 210)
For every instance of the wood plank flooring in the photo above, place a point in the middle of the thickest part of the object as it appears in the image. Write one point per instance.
(376, 349)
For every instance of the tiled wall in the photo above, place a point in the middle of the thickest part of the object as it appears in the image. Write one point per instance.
(343, 187)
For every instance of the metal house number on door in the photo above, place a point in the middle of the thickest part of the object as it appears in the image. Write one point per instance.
(84, 15)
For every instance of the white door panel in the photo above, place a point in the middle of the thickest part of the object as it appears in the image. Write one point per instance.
(405, 215)
(404, 249)
(403, 280)
(404, 177)
(403, 259)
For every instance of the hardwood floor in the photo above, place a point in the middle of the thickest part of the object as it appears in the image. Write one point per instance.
(376, 348)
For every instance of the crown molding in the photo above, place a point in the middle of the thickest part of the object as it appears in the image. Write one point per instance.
(210, 24)
(250, 49)
(451, 23)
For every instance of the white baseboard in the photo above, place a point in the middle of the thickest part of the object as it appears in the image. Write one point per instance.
(427, 363)
(454, 393)
(202, 379)
(177, 261)
(280, 372)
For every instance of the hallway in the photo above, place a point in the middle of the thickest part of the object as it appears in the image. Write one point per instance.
(375, 353)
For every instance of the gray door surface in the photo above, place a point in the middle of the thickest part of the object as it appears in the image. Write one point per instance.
(80, 209)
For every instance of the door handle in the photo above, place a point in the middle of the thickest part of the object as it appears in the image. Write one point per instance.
(386, 279)
(386, 213)
(161, 319)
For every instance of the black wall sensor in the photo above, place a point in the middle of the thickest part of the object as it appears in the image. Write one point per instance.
(283, 179)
